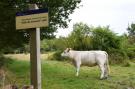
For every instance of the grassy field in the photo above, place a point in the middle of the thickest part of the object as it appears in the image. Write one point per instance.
(61, 75)
(26, 56)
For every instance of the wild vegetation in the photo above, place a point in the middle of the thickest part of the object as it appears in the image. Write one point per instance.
(10, 39)
(83, 37)
(56, 73)
(121, 48)
(61, 75)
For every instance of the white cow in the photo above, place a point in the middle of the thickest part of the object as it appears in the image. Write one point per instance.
(89, 58)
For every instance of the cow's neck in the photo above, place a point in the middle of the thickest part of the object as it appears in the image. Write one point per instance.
(72, 54)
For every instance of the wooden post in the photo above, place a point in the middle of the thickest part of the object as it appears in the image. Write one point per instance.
(35, 62)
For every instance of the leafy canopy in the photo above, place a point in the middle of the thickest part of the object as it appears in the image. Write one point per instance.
(84, 37)
(59, 11)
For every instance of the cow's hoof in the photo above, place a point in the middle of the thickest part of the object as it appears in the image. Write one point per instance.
(103, 78)
(76, 75)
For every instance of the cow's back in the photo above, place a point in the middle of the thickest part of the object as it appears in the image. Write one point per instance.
(92, 58)
(89, 58)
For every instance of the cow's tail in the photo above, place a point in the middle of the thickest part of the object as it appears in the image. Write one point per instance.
(107, 64)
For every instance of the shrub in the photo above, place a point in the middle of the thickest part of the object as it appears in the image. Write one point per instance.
(4, 61)
(57, 56)
(126, 63)
(131, 53)
(1, 61)
(117, 56)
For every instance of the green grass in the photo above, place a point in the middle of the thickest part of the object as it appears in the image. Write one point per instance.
(61, 75)
(18, 73)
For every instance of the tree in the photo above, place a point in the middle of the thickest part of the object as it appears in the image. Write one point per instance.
(131, 29)
(131, 41)
(59, 11)
(131, 33)
(105, 39)
(9, 37)
(79, 38)
(84, 37)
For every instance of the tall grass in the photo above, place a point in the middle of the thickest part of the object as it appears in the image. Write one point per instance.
(61, 75)
(18, 73)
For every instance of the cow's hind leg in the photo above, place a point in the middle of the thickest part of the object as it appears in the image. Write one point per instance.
(106, 71)
(102, 68)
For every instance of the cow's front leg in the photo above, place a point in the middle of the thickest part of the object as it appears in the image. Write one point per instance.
(77, 68)
(77, 71)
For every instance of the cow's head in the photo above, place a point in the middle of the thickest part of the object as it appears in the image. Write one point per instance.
(66, 52)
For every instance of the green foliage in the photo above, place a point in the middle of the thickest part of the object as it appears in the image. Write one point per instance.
(52, 44)
(130, 41)
(18, 73)
(126, 63)
(1, 61)
(105, 39)
(57, 56)
(47, 45)
(84, 37)
(59, 11)
(131, 51)
(9, 37)
(131, 29)
(4, 62)
(80, 38)
(117, 56)
(131, 33)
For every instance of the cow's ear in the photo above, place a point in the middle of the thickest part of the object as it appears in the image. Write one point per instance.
(68, 49)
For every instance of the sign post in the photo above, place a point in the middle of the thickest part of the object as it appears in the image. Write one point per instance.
(35, 73)
(35, 68)
(33, 19)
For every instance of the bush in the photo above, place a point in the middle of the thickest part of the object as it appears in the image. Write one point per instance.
(117, 56)
(131, 53)
(57, 56)
(1, 61)
(4, 61)
(126, 63)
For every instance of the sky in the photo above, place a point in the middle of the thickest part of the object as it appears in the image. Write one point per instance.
(115, 13)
